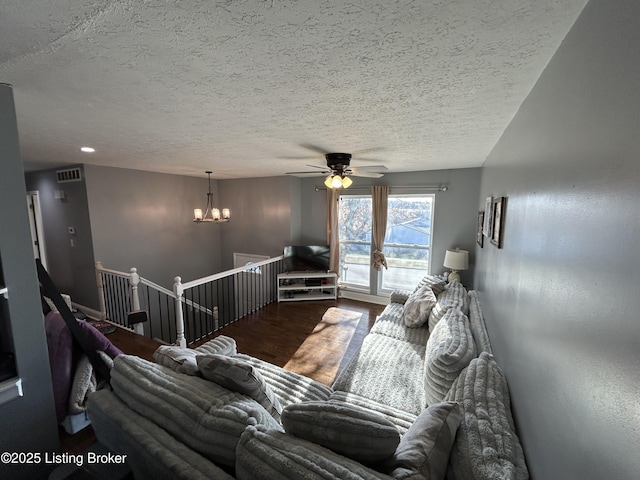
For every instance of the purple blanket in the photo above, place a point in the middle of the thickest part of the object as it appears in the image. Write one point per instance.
(63, 355)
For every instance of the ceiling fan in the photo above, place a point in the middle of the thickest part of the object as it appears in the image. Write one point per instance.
(339, 169)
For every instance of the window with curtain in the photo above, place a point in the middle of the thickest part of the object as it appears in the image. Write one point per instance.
(406, 247)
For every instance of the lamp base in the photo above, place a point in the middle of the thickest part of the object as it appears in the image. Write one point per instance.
(453, 276)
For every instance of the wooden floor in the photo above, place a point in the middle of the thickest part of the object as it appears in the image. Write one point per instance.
(274, 334)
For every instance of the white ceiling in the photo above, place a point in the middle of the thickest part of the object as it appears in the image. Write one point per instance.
(243, 87)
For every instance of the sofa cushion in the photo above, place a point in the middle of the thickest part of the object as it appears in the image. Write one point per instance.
(151, 451)
(391, 324)
(221, 345)
(264, 454)
(424, 450)
(201, 414)
(418, 306)
(487, 446)
(178, 359)
(354, 432)
(453, 296)
(387, 370)
(436, 282)
(400, 418)
(239, 376)
(449, 350)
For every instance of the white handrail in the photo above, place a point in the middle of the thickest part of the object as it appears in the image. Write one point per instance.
(227, 273)
(177, 294)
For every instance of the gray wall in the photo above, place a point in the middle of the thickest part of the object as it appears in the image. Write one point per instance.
(454, 213)
(145, 220)
(265, 216)
(561, 300)
(28, 422)
(71, 266)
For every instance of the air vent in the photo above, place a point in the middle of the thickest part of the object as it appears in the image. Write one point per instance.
(69, 175)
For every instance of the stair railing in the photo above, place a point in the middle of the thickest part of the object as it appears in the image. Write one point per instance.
(194, 309)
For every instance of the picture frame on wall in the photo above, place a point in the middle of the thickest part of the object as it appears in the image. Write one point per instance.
(498, 211)
(488, 218)
(479, 229)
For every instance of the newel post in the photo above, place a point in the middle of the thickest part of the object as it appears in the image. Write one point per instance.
(178, 291)
(100, 283)
(134, 281)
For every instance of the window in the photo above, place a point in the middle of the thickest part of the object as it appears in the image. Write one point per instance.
(407, 242)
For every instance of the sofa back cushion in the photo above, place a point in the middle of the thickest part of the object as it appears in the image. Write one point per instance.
(449, 350)
(453, 296)
(487, 446)
(354, 432)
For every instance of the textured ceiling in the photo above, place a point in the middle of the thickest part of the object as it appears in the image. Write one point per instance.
(240, 87)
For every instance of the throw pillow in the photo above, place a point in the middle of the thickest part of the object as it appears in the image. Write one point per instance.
(418, 306)
(449, 350)
(354, 432)
(221, 345)
(424, 450)
(178, 359)
(238, 376)
(436, 283)
(453, 296)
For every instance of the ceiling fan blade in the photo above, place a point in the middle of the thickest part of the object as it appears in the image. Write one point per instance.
(366, 174)
(318, 166)
(370, 168)
(367, 150)
(313, 172)
(315, 157)
(315, 148)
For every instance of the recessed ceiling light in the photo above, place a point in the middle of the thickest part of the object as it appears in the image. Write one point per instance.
(87, 149)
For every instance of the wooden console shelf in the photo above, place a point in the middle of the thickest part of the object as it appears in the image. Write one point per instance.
(296, 286)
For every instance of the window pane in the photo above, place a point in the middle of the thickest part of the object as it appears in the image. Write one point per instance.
(355, 239)
(407, 241)
(354, 264)
(407, 266)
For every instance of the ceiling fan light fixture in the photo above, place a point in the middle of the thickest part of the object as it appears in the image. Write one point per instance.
(338, 181)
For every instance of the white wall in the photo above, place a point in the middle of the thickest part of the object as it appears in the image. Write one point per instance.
(561, 300)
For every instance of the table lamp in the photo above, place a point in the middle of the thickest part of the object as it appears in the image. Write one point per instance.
(456, 260)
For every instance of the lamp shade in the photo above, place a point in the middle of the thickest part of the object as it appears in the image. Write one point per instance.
(456, 259)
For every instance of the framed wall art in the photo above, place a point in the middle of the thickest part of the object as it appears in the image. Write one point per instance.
(479, 229)
(486, 226)
(498, 207)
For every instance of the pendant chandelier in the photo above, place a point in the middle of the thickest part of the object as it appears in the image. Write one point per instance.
(211, 214)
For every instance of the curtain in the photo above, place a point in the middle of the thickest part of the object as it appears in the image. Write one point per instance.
(333, 196)
(379, 195)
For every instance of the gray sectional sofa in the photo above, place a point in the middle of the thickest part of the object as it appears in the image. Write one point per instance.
(422, 398)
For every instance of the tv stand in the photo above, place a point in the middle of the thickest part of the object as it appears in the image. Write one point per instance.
(296, 286)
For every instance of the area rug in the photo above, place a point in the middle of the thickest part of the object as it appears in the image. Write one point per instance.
(320, 354)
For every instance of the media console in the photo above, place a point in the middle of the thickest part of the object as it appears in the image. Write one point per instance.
(296, 286)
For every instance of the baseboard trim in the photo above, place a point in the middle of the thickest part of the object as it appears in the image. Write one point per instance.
(364, 297)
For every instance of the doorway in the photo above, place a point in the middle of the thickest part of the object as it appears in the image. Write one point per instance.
(35, 225)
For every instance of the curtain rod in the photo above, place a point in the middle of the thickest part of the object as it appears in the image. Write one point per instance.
(437, 188)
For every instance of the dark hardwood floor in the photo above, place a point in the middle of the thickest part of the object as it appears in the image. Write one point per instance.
(274, 334)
